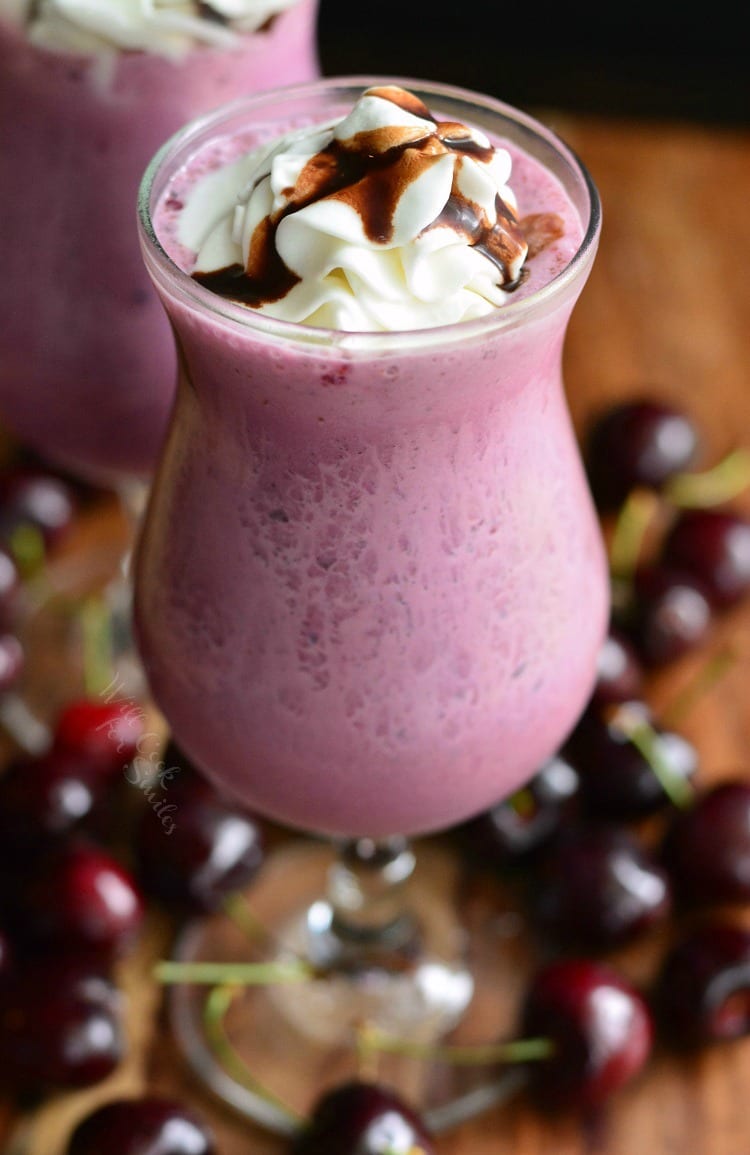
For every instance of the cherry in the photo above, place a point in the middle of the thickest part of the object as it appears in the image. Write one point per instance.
(36, 498)
(192, 847)
(713, 545)
(669, 614)
(597, 888)
(600, 1028)
(10, 584)
(146, 1126)
(619, 674)
(76, 896)
(6, 956)
(12, 661)
(702, 990)
(29, 460)
(706, 847)
(639, 442)
(46, 795)
(60, 1026)
(107, 732)
(514, 830)
(359, 1118)
(617, 781)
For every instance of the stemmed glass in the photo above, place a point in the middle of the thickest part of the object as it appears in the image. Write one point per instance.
(87, 360)
(370, 592)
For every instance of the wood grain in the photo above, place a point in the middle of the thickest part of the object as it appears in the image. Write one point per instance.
(667, 312)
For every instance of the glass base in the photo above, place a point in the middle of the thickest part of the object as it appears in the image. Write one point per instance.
(283, 1044)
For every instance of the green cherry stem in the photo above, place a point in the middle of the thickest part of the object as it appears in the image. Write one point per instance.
(647, 741)
(629, 534)
(236, 908)
(522, 802)
(714, 486)
(371, 1039)
(217, 1006)
(511, 1056)
(236, 974)
(28, 551)
(96, 630)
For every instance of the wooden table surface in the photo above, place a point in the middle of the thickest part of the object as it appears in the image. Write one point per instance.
(667, 312)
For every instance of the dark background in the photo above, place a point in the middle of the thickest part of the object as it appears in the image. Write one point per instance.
(663, 59)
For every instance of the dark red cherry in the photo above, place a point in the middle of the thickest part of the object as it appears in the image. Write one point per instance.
(600, 1028)
(702, 990)
(6, 956)
(639, 442)
(12, 661)
(146, 1126)
(46, 795)
(707, 846)
(193, 847)
(175, 769)
(617, 781)
(10, 585)
(597, 887)
(361, 1118)
(78, 897)
(60, 1026)
(32, 497)
(619, 675)
(106, 732)
(713, 545)
(518, 827)
(668, 616)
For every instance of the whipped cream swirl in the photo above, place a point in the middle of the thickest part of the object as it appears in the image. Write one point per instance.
(163, 27)
(385, 220)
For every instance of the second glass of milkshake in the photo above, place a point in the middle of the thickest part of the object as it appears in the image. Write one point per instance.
(88, 92)
(371, 589)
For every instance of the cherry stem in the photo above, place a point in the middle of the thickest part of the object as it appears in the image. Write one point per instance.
(713, 486)
(370, 1039)
(630, 530)
(241, 915)
(238, 974)
(708, 675)
(522, 802)
(647, 741)
(28, 550)
(217, 1006)
(477, 1101)
(96, 623)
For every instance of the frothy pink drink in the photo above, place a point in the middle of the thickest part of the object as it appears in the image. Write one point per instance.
(371, 587)
(87, 360)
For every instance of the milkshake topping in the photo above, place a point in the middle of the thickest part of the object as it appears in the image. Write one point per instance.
(165, 27)
(385, 220)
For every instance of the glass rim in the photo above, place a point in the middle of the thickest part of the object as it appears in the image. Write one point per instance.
(240, 317)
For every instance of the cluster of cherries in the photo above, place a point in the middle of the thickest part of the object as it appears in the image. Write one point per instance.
(93, 829)
(616, 838)
(83, 851)
(613, 840)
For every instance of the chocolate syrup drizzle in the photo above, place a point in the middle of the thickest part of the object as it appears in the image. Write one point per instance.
(370, 175)
(207, 12)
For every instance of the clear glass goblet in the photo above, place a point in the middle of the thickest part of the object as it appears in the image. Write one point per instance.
(370, 592)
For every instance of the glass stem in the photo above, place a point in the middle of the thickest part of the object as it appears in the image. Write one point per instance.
(365, 913)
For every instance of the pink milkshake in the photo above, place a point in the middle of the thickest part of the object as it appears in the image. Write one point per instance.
(87, 362)
(371, 588)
